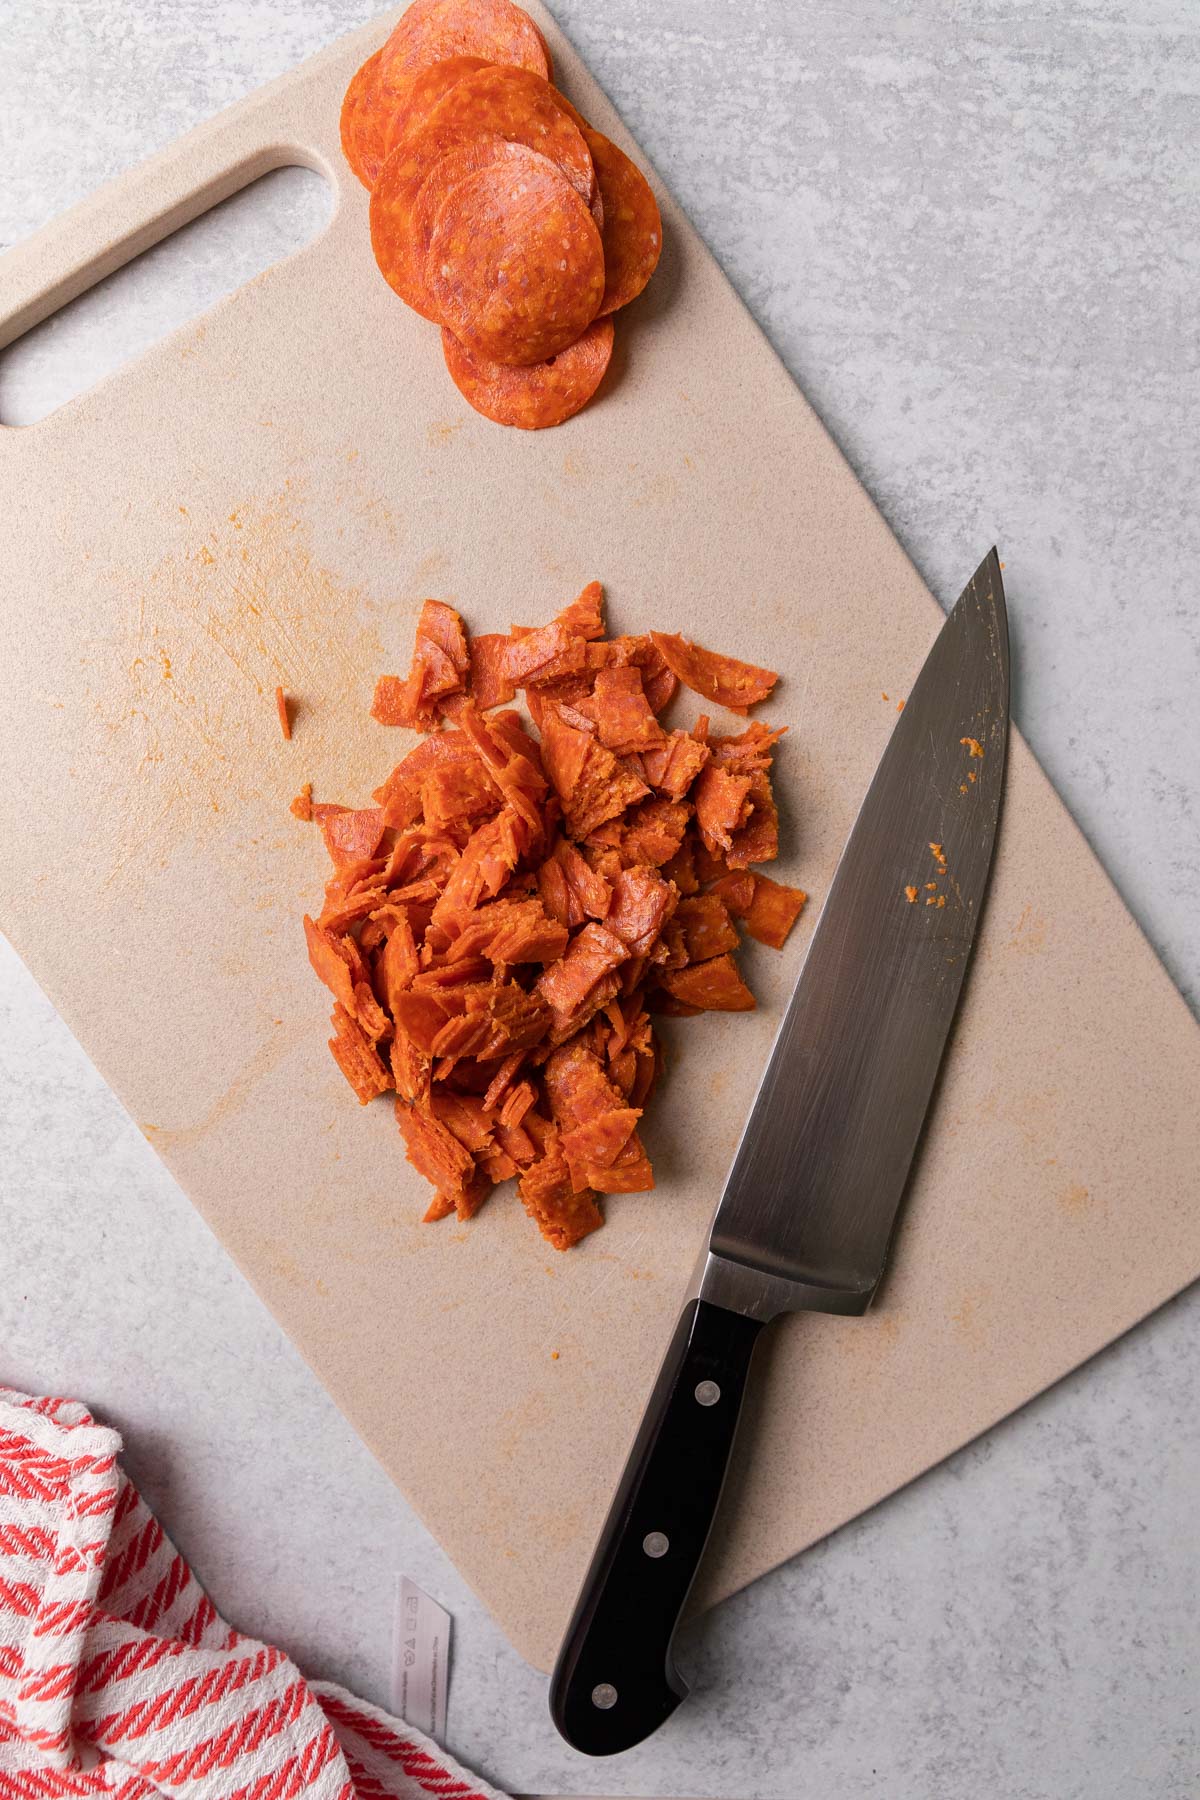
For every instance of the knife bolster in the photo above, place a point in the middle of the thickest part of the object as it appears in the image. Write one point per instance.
(757, 1294)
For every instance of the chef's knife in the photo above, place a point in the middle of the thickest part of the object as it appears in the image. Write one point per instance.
(811, 1199)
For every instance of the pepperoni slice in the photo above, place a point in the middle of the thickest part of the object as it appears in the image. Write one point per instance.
(632, 227)
(521, 106)
(452, 124)
(414, 181)
(572, 111)
(536, 397)
(541, 38)
(515, 266)
(408, 99)
(362, 122)
(476, 152)
(432, 30)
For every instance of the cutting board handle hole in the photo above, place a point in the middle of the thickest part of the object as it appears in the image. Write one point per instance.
(162, 289)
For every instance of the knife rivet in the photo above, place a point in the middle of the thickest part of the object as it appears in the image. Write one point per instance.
(656, 1543)
(604, 1695)
(707, 1393)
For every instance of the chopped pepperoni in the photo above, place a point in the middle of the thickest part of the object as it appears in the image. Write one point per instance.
(503, 920)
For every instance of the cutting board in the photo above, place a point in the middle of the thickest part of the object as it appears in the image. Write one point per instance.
(266, 497)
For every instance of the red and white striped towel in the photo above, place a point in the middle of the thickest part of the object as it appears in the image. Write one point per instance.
(118, 1679)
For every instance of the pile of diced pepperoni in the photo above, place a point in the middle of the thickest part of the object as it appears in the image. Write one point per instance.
(504, 922)
(497, 211)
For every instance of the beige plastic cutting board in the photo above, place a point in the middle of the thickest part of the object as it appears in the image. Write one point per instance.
(266, 497)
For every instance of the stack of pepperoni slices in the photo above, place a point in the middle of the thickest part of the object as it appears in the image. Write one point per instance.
(497, 211)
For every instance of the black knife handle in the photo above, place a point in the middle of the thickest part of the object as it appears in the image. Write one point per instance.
(614, 1682)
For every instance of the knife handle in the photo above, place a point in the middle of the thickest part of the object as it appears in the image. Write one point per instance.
(615, 1681)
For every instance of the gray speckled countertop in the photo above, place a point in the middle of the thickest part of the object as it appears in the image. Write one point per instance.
(970, 228)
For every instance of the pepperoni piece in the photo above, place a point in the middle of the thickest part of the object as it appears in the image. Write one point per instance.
(533, 398)
(432, 30)
(632, 226)
(521, 106)
(351, 834)
(622, 712)
(560, 1214)
(773, 910)
(713, 986)
(723, 679)
(357, 1057)
(707, 927)
(362, 123)
(407, 100)
(515, 265)
(757, 840)
(672, 767)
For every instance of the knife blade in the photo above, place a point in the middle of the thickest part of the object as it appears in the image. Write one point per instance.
(811, 1201)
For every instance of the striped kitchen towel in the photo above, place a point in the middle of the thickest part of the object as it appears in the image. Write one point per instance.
(119, 1679)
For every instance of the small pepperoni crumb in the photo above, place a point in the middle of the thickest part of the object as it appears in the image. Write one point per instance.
(302, 806)
(281, 707)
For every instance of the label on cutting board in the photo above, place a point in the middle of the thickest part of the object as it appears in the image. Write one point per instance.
(420, 1659)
